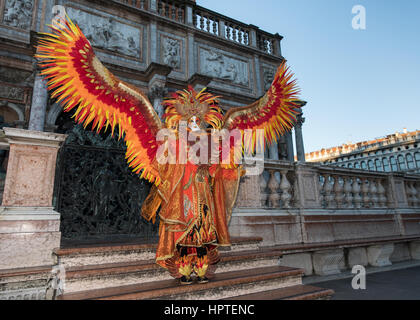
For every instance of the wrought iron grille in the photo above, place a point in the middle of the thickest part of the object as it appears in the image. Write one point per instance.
(96, 193)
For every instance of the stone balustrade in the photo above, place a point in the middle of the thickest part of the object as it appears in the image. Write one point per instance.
(354, 190)
(172, 10)
(277, 185)
(310, 203)
(206, 22)
(140, 4)
(187, 12)
(336, 188)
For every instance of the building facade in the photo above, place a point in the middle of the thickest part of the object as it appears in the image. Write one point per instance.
(399, 152)
(63, 186)
(158, 46)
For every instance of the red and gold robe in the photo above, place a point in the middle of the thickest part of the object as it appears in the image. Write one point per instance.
(195, 203)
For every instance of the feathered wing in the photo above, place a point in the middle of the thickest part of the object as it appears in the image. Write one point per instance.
(80, 81)
(275, 113)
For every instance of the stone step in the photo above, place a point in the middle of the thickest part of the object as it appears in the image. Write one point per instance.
(298, 292)
(115, 253)
(223, 285)
(81, 278)
(24, 283)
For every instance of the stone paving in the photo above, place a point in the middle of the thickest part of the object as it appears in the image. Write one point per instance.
(401, 284)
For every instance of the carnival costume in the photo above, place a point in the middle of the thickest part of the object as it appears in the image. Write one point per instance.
(194, 201)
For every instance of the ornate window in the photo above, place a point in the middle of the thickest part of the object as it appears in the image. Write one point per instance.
(371, 166)
(410, 161)
(350, 165)
(417, 157)
(378, 165)
(401, 163)
(386, 165)
(394, 166)
(364, 166)
(357, 165)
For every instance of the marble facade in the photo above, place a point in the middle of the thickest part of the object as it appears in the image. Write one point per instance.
(291, 203)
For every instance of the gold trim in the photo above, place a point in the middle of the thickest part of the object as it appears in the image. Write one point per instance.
(189, 182)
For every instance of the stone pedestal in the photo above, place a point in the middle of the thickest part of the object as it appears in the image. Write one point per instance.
(29, 227)
(328, 262)
(415, 250)
(249, 194)
(379, 256)
(298, 260)
(357, 256)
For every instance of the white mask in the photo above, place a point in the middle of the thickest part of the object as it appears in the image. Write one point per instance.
(193, 123)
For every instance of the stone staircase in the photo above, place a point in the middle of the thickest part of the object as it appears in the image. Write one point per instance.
(123, 272)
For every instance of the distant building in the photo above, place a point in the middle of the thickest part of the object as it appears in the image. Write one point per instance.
(399, 152)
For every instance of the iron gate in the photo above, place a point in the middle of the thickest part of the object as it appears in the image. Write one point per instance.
(97, 195)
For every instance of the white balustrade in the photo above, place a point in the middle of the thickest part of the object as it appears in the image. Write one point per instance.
(285, 188)
(273, 186)
(263, 191)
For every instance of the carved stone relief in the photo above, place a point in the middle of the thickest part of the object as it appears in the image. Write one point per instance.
(268, 76)
(218, 65)
(18, 13)
(12, 93)
(107, 33)
(16, 76)
(171, 49)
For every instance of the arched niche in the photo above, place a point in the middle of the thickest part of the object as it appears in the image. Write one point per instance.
(11, 112)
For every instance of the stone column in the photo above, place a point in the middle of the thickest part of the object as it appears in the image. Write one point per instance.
(39, 104)
(253, 36)
(189, 15)
(153, 42)
(258, 81)
(192, 59)
(289, 147)
(273, 152)
(282, 150)
(277, 45)
(300, 149)
(29, 227)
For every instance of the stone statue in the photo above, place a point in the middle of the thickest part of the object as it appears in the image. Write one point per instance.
(268, 77)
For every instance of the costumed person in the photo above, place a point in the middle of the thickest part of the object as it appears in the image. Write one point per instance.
(193, 200)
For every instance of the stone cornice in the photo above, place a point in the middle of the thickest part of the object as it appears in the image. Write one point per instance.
(29, 137)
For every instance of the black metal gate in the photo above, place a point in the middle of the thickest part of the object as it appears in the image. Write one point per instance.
(97, 195)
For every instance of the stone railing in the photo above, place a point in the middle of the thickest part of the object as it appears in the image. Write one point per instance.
(285, 185)
(307, 203)
(202, 19)
(139, 4)
(347, 189)
(171, 9)
(236, 31)
(277, 185)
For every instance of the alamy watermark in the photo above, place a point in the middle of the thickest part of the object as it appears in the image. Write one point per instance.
(359, 20)
(359, 280)
(59, 13)
(194, 145)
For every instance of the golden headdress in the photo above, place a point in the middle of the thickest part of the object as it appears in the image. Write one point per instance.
(188, 103)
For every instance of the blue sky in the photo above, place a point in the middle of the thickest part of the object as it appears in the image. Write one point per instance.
(359, 84)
